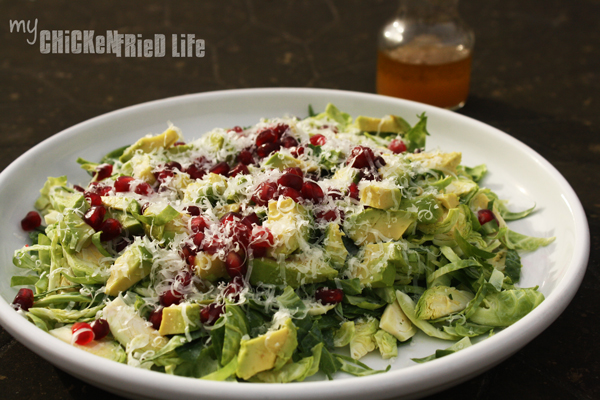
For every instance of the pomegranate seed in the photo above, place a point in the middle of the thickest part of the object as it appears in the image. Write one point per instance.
(280, 129)
(259, 252)
(230, 217)
(93, 199)
(100, 190)
(198, 238)
(188, 254)
(143, 189)
(213, 245)
(184, 278)
(238, 231)
(262, 237)
(289, 142)
(251, 219)
(100, 328)
(266, 136)
(144, 208)
(237, 129)
(111, 228)
(327, 216)
(318, 140)
(484, 216)
(82, 333)
(265, 192)
(235, 264)
(94, 217)
(245, 157)
(122, 184)
(195, 171)
(329, 296)
(199, 224)
(297, 151)
(291, 181)
(353, 191)
(221, 168)
(121, 245)
(266, 149)
(103, 171)
(295, 171)
(170, 297)
(234, 287)
(24, 299)
(211, 313)
(312, 191)
(192, 210)
(172, 165)
(334, 194)
(239, 169)
(361, 157)
(292, 194)
(31, 221)
(179, 143)
(380, 162)
(163, 175)
(369, 174)
(155, 318)
(78, 188)
(397, 146)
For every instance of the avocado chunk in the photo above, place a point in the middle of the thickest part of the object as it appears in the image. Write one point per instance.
(126, 204)
(445, 162)
(373, 225)
(290, 224)
(150, 143)
(129, 223)
(131, 330)
(139, 168)
(396, 323)
(295, 271)
(177, 319)
(268, 351)
(131, 267)
(441, 301)
(334, 245)
(387, 124)
(209, 267)
(380, 195)
(105, 347)
(162, 223)
(282, 161)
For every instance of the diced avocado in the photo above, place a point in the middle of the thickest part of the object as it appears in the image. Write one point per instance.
(373, 225)
(333, 113)
(131, 267)
(445, 162)
(378, 268)
(139, 168)
(426, 207)
(294, 271)
(129, 223)
(448, 200)
(126, 204)
(131, 330)
(387, 344)
(177, 318)
(363, 340)
(441, 301)
(88, 263)
(396, 323)
(346, 174)
(334, 245)
(271, 350)
(226, 208)
(150, 143)
(387, 124)
(106, 348)
(209, 267)
(478, 202)
(380, 195)
(282, 161)
(461, 186)
(290, 224)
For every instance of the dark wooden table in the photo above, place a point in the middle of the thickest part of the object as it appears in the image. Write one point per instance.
(535, 76)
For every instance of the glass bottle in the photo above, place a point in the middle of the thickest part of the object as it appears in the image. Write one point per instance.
(424, 54)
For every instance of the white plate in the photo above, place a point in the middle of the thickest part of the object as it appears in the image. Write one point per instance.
(516, 173)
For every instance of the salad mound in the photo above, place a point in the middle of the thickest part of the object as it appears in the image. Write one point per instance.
(253, 254)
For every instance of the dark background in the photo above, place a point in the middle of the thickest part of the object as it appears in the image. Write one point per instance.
(535, 76)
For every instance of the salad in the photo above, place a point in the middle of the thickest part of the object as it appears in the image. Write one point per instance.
(269, 253)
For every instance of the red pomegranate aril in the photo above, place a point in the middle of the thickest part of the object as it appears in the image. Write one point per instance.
(213, 246)
(235, 264)
(251, 219)
(24, 299)
(318, 140)
(93, 199)
(292, 194)
(178, 143)
(291, 180)
(380, 162)
(211, 313)
(198, 238)
(239, 169)
(266, 136)
(143, 189)
(195, 171)
(221, 168)
(328, 216)
(297, 151)
(100, 190)
(78, 188)
(329, 296)
(264, 193)
(288, 142)
(172, 165)
(95, 216)
(484, 216)
(266, 149)
(122, 184)
(121, 245)
(246, 157)
(82, 333)
(237, 129)
(234, 287)
(361, 157)
(100, 328)
(312, 191)
(353, 191)
(155, 318)
(294, 171)
(192, 210)
(262, 237)
(280, 129)
(184, 278)
(170, 297)
(334, 194)
(163, 175)
(199, 224)
(103, 171)
(397, 146)
(111, 228)
(31, 221)
(230, 217)
(258, 252)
